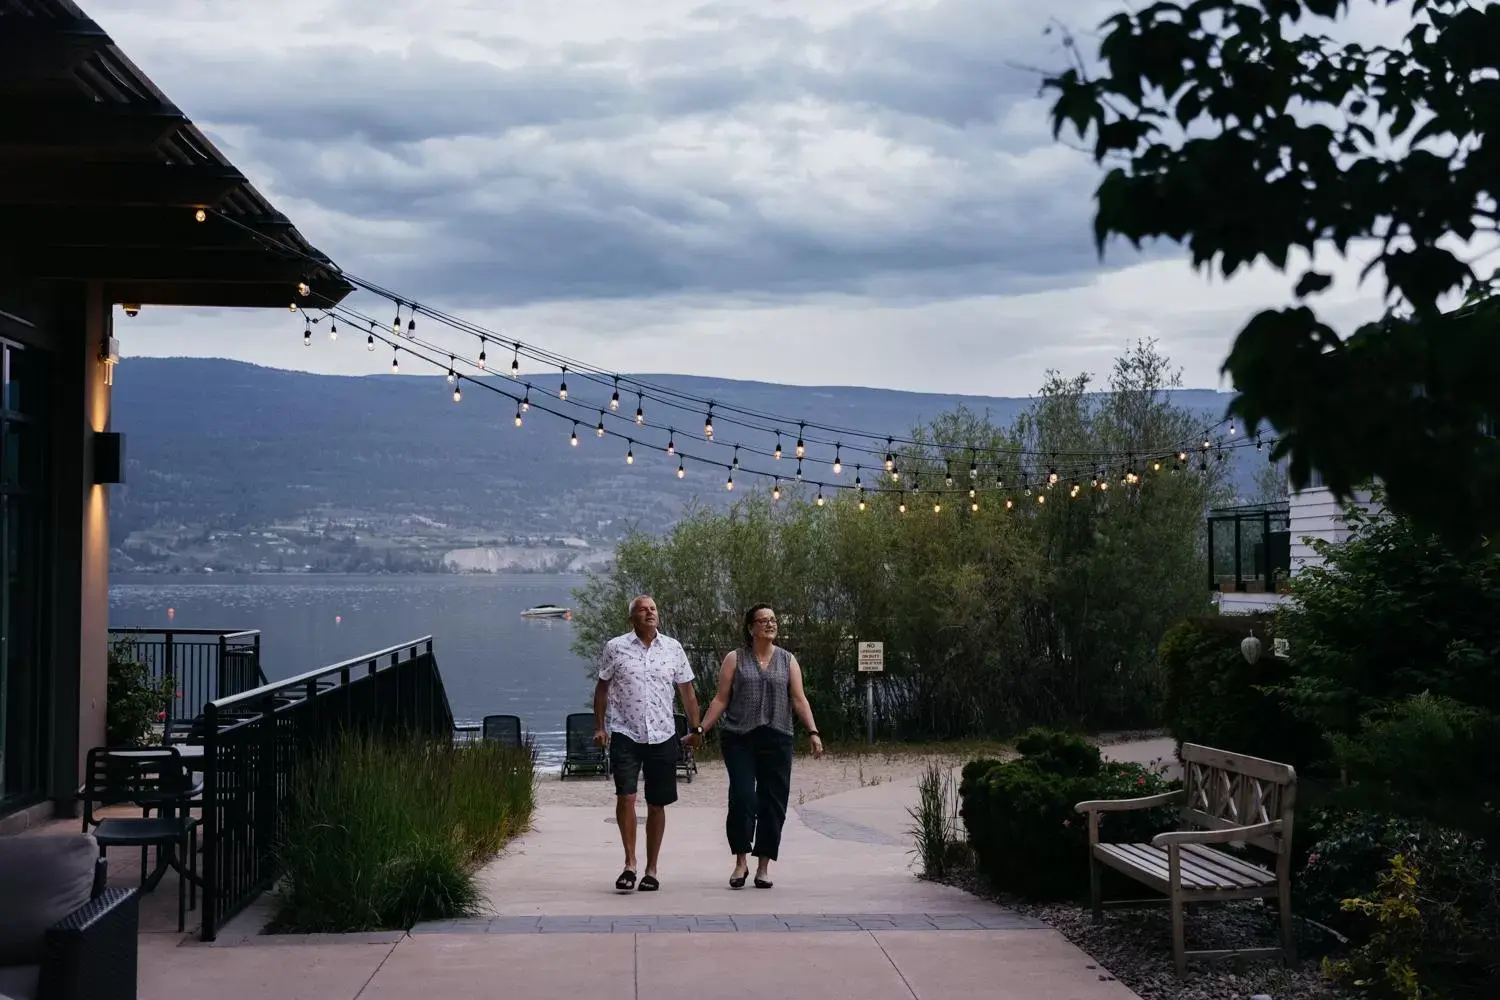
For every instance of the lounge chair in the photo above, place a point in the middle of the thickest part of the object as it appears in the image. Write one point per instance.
(581, 755)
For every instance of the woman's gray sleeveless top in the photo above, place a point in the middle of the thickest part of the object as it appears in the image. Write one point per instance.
(760, 697)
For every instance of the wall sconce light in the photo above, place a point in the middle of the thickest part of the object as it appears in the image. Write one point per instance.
(131, 308)
(109, 458)
(109, 354)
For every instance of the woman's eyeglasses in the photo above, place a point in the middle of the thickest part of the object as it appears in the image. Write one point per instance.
(765, 621)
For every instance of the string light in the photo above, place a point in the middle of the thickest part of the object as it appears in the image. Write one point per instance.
(396, 323)
(729, 483)
(395, 360)
(574, 439)
(306, 330)
(974, 506)
(937, 506)
(838, 463)
(200, 215)
(599, 431)
(862, 504)
(630, 452)
(857, 484)
(902, 506)
(370, 340)
(458, 393)
(562, 390)
(518, 414)
(452, 375)
(890, 458)
(777, 454)
(820, 496)
(526, 399)
(411, 325)
(671, 440)
(302, 288)
(801, 448)
(680, 470)
(333, 329)
(799, 470)
(708, 423)
(735, 467)
(515, 362)
(776, 491)
(614, 400)
(481, 353)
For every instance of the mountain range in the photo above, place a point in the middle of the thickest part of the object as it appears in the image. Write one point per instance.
(220, 451)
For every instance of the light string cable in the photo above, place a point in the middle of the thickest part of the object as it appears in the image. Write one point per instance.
(1100, 481)
(675, 399)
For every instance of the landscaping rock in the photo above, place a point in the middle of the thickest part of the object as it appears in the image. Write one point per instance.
(1135, 947)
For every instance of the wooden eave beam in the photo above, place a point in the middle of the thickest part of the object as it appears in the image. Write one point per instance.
(61, 226)
(36, 50)
(156, 264)
(225, 295)
(41, 126)
(158, 185)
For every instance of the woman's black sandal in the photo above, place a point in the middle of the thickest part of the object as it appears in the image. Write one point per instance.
(649, 884)
(763, 883)
(626, 881)
(738, 881)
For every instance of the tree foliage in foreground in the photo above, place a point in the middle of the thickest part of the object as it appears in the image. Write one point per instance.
(991, 619)
(1241, 129)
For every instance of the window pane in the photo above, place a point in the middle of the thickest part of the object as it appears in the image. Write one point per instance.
(25, 382)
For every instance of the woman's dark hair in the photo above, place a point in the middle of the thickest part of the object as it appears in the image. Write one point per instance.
(749, 629)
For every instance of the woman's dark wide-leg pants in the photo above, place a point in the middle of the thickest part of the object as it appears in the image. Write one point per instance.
(760, 779)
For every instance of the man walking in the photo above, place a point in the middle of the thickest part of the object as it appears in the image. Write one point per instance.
(633, 716)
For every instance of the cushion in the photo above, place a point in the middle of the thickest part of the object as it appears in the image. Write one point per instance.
(19, 982)
(42, 880)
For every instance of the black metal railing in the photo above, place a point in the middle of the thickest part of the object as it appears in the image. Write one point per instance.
(1249, 548)
(204, 663)
(254, 742)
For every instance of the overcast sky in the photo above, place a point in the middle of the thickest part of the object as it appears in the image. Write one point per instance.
(805, 191)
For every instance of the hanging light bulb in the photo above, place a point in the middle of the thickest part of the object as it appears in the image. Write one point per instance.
(1156, 465)
(200, 215)
(1052, 476)
(902, 506)
(838, 462)
(857, 484)
(306, 331)
(526, 400)
(890, 458)
(292, 306)
(1074, 492)
(974, 507)
(333, 329)
(708, 423)
(370, 340)
(729, 483)
(735, 467)
(1041, 498)
(562, 390)
(862, 504)
(948, 473)
(395, 360)
(302, 288)
(452, 375)
(481, 353)
(1182, 456)
(973, 493)
(680, 470)
(458, 393)
(973, 469)
(937, 506)
(614, 399)
(1232, 429)
(574, 439)
(640, 414)
(629, 452)
(777, 453)
(895, 473)
(411, 325)
(671, 441)
(820, 496)
(801, 448)
(599, 431)
(515, 362)
(776, 491)
(518, 414)
(396, 323)
(799, 470)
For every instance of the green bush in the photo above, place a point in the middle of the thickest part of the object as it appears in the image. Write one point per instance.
(135, 702)
(1215, 698)
(1434, 917)
(1027, 837)
(382, 834)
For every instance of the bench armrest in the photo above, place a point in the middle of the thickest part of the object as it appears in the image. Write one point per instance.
(1225, 836)
(91, 953)
(1126, 805)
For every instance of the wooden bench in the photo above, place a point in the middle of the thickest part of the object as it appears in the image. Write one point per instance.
(1226, 799)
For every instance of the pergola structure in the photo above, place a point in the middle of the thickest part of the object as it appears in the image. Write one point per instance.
(109, 196)
(101, 179)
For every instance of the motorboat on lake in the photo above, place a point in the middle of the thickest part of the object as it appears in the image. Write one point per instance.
(547, 611)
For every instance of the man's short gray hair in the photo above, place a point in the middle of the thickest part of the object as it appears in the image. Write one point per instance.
(630, 609)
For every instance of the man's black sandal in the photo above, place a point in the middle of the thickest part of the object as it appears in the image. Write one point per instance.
(649, 884)
(626, 881)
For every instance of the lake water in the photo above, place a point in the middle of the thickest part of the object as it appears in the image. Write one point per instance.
(492, 660)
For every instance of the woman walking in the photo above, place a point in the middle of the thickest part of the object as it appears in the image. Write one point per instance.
(760, 686)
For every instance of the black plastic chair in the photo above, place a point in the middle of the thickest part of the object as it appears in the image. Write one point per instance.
(156, 779)
(686, 765)
(580, 755)
(504, 729)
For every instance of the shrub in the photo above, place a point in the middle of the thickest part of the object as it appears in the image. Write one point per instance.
(1215, 698)
(1430, 919)
(933, 830)
(1027, 837)
(382, 834)
(135, 702)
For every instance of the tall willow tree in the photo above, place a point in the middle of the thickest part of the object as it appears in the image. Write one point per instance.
(992, 618)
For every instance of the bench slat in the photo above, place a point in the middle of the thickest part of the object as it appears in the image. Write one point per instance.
(1200, 868)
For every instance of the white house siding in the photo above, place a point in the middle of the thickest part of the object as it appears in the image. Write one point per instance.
(1244, 604)
(1315, 514)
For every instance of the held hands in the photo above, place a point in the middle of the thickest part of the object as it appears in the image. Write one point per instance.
(693, 740)
(817, 747)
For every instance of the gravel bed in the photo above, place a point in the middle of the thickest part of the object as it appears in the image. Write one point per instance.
(1135, 946)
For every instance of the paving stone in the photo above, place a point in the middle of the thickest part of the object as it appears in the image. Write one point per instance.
(515, 925)
(952, 922)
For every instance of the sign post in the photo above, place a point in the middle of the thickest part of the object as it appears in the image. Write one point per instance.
(871, 662)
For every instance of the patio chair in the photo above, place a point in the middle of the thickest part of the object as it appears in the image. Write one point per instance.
(581, 756)
(63, 934)
(686, 765)
(156, 779)
(504, 729)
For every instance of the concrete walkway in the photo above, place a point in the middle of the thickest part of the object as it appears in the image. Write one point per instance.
(847, 918)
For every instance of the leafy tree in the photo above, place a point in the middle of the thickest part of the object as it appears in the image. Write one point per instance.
(1241, 129)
